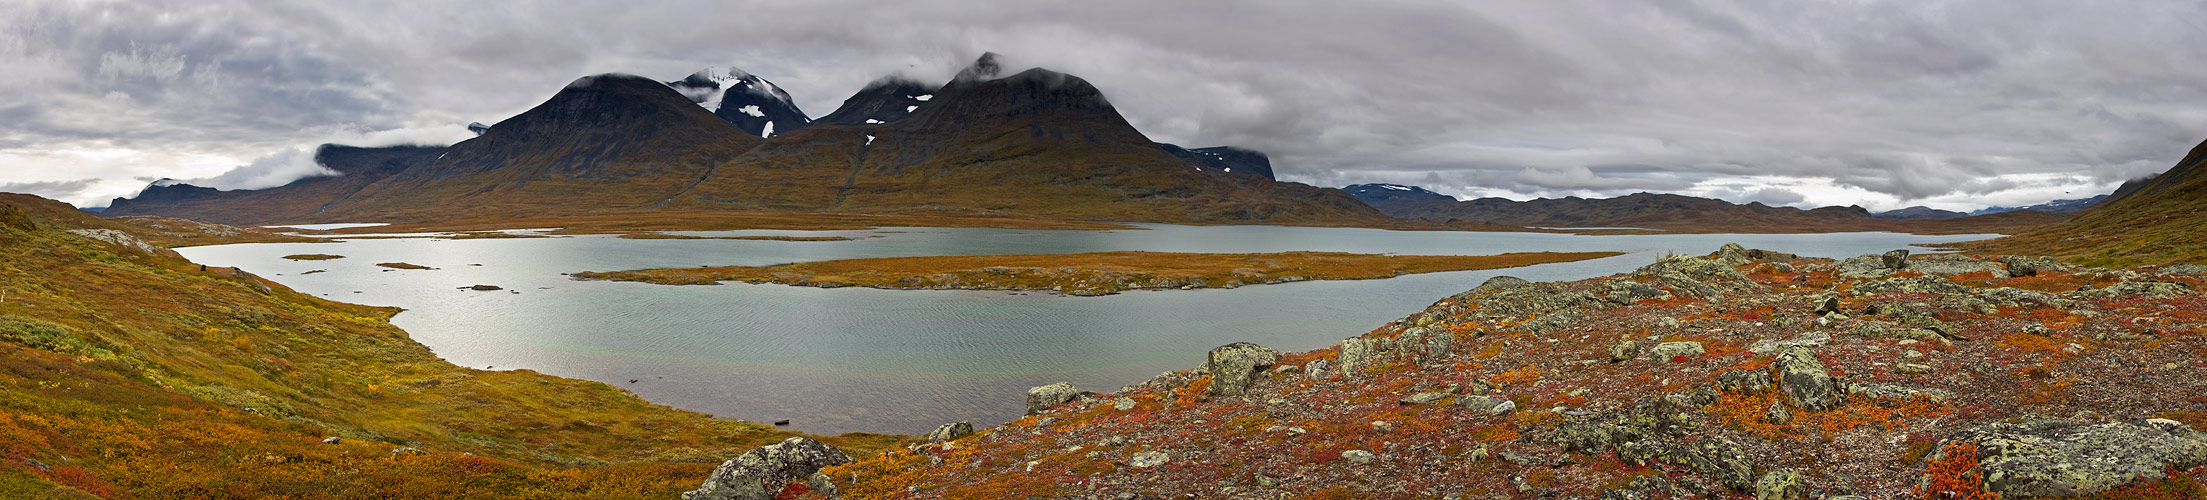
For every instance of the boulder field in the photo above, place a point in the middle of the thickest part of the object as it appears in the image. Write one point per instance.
(1739, 374)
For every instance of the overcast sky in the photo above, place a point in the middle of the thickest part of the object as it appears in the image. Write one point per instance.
(1954, 105)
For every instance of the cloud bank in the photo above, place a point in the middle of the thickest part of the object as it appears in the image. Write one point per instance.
(1954, 104)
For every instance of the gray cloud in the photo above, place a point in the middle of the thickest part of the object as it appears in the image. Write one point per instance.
(1886, 104)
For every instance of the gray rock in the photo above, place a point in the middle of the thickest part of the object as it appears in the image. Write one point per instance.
(1653, 432)
(1826, 303)
(1424, 397)
(1358, 456)
(1897, 259)
(1123, 404)
(1732, 254)
(1355, 354)
(1777, 413)
(1481, 404)
(1804, 382)
(1888, 391)
(1502, 283)
(1912, 368)
(2065, 459)
(1234, 366)
(1782, 484)
(950, 431)
(1668, 350)
(1504, 408)
(1316, 369)
(1810, 339)
(1867, 266)
(1624, 351)
(1919, 284)
(1040, 399)
(1698, 277)
(761, 473)
(1149, 459)
(1744, 382)
(2129, 289)
(2182, 270)
(1951, 266)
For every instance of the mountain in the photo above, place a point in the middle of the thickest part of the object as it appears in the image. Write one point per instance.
(888, 99)
(1035, 143)
(356, 168)
(605, 142)
(1668, 212)
(2154, 221)
(1227, 159)
(1383, 195)
(2056, 206)
(1920, 212)
(753, 104)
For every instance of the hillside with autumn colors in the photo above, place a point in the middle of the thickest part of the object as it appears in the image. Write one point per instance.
(2156, 220)
(128, 372)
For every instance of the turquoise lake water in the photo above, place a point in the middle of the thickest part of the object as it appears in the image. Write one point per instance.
(904, 361)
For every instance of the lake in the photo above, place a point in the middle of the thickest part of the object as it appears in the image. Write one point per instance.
(903, 361)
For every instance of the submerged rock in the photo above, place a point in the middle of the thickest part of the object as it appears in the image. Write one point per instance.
(1234, 366)
(1040, 399)
(761, 473)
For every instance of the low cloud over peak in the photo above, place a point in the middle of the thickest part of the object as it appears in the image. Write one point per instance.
(1954, 105)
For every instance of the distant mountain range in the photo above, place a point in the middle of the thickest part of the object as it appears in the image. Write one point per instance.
(2155, 220)
(1667, 212)
(1036, 143)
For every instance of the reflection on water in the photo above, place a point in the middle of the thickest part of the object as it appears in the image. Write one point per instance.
(855, 359)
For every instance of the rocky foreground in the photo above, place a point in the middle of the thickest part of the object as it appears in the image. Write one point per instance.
(1740, 374)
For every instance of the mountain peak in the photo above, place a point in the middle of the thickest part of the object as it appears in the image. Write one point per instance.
(884, 100)
(750, 102)
(987, 67)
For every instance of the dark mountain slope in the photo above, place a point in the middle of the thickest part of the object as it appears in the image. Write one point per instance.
(1037, 143)
(606, 142)
(356, 167)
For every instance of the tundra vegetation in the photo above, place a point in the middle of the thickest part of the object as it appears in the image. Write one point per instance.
(129, 373)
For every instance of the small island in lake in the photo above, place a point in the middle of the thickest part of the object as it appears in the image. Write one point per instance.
(1087, 274)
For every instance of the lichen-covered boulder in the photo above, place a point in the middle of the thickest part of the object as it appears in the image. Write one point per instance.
(1697, 276)
(1355, 355)
(2128, 289)
(1897, 259)
(1919, 284)
(1804, 382)
(950, 431)
(1624, 351)
(1668, 350)
(1234, 366)
(1782, 484)
(1744, 382)
(1040, 399)
(761, 473)
(2044, 459)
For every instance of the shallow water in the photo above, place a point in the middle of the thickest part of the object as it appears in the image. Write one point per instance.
(902, 361)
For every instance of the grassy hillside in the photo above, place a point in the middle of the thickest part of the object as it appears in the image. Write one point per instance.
(127, 372)
(2155, 221)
